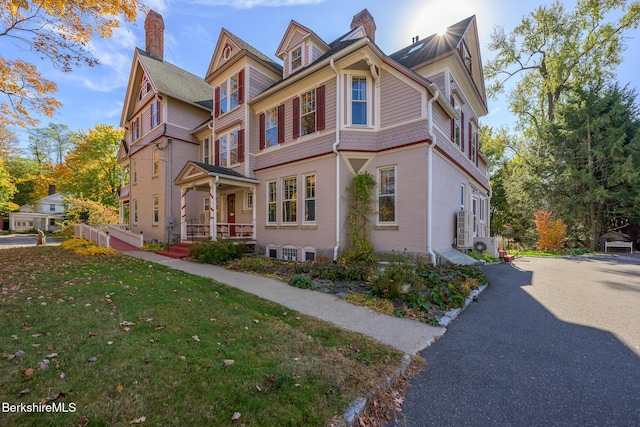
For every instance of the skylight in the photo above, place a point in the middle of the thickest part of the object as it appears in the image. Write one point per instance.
(416, 47)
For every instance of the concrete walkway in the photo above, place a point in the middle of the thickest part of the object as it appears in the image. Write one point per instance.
(406, 335)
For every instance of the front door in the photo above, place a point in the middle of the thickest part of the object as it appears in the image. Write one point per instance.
(231, 214)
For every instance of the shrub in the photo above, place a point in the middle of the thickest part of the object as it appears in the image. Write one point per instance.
(216, 252)
(340, 272)
(256, 264)
(87, 248)
(301, 282)
(396, 279)
(380, 305)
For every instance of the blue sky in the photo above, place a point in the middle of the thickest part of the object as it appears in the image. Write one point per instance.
(93, 95)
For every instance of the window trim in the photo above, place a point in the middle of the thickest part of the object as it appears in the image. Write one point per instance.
(309, 249)
(228, 148)
(309, 113)
(463, 195)
(155, 162)
(248, 200)
(289, 248)
(273, 202)
(271, 111)
(295, 57)
(135, 212)
(306, 198)
(155, 209)
(367, 94)
(393, 195)
(154, 112)
(293, 202)
(206, 151)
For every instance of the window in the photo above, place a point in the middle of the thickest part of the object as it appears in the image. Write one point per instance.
(145, 87)
(474, 146)
(456, 135)
(387, 195)
(248, 200)
(206, 151)
(229, 94)
(52, 222)
(310, 198)
(206, 205)
(272, 194)
(308, 114)
(482, 209)
(462, 191)
(231, 148)
(271, 127)
(272, 252)
(289, 253)
(156, 162)
(156, 209)
(135, 172)
(289, 200)
(309, 255)
(223, 98)
(296, 58)
(125, 176)
(52, 207)
(233, 88)
(135, 211)
(155, 114)
(135, 129)
(359, 100)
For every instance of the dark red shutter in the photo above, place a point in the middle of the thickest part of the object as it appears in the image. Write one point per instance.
(296, 117)
(453, 122)
(470, 139)
(280, 124)
(217, 154)
(462, 131)
(217, 101)
(240, 145)
(320, 108)
(241, 87)
(262, 131)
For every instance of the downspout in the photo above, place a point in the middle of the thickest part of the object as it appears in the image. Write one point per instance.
(335, 150)
(432, 136)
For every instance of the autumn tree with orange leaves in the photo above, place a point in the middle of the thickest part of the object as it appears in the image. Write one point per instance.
(58, 31)
(551, 232)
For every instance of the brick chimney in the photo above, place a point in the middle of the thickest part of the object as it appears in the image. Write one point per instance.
(365, 19)
(154, 34)
(52, 189)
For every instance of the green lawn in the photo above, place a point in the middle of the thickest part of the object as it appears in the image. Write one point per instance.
(126, 339)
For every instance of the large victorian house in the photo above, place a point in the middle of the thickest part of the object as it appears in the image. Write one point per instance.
(264, 150)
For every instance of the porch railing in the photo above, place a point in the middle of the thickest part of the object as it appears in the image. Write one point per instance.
(122, 232)
(93, 233)
(224, 230)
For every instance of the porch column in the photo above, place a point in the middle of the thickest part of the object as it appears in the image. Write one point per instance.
(253, 220)
(183, 213)
(213, 199)
(121, 212)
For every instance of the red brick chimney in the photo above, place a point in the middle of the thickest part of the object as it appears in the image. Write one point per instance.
(365, 19)
(154, 34)
(52, 189)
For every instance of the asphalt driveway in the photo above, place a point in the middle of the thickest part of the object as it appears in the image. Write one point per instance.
(17, 240)
(553, 342)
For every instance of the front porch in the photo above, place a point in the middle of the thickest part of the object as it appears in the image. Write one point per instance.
(216, 202)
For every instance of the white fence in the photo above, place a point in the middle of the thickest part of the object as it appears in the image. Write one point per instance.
(92, 234)
(120, 232)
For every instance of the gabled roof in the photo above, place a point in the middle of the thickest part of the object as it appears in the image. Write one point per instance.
(196, 170)
(433, 46)
(176, 82)
(293, 28)
(227, 38)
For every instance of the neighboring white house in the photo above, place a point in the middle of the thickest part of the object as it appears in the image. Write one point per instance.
(44, 214)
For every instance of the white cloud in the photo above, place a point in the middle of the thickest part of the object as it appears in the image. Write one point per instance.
(248, 4)
(158, 5)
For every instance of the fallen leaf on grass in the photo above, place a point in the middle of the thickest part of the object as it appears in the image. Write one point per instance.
(49, 346)
(138, 420)
(48, 400)
(236, 416)
(8, 356)
(52, 355)
(25, 391)
(92, 359)
(229, 362)
(28, 372)
(83, 422)
(43, 365)
(182, 358)
(126, 323)
(159, 327)
(63, 375)
(195, 338)
(119, 388)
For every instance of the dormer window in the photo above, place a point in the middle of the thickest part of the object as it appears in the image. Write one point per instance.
(296, 58)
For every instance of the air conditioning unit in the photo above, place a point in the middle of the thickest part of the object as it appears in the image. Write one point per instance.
(464, 238)
(489, 244)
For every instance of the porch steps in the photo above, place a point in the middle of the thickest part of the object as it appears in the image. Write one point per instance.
(177, 251)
